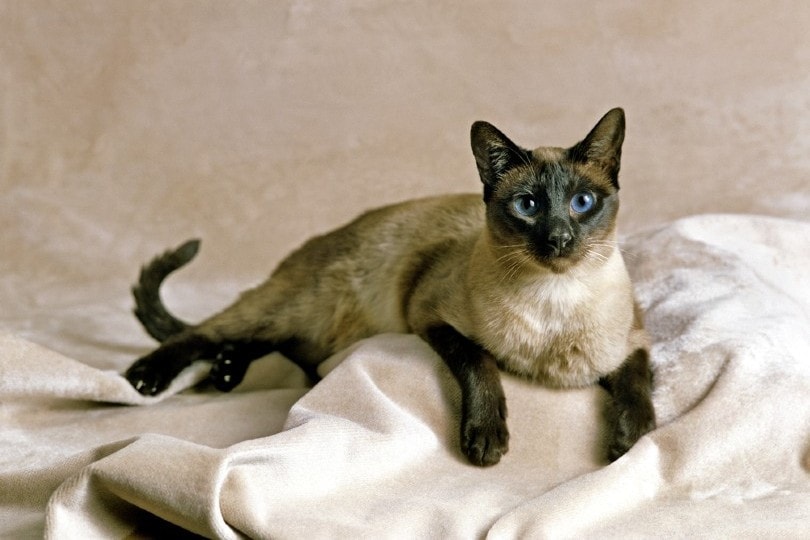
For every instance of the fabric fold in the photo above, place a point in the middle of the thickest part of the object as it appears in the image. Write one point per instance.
(372, 450)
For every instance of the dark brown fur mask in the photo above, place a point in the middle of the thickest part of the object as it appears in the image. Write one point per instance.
(557, 206)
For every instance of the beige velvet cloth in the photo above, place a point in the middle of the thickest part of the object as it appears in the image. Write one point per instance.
(128, 127)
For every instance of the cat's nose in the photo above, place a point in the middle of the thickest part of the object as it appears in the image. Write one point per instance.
(558, 239)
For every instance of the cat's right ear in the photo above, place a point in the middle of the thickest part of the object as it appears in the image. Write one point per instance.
(494, 154)
(603, 145)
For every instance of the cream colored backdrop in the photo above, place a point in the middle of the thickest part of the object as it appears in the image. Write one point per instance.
(127, 127)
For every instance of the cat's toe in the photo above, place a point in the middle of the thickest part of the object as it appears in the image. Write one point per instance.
(145, 379)
(485, 443)
(226, 374)
(630, 425)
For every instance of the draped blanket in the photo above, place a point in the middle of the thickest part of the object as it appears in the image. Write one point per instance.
(372, 450)
(127, 127)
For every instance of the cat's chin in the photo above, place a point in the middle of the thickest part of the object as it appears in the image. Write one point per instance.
(558, 265)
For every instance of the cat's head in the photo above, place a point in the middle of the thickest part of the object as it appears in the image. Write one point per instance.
(553, 206)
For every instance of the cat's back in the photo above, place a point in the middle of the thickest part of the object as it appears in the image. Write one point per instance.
(384, 236)
(421, 221)
(361, 272)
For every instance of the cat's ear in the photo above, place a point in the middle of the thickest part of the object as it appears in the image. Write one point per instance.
(603, 145)
(494, 154)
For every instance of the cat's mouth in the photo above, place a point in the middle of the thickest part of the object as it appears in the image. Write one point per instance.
(556, 258)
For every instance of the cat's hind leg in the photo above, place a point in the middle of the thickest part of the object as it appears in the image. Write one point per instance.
(151, 374)
(233, 360)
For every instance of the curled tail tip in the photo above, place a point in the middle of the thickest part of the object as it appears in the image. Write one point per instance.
(149, 308)
(189, 249)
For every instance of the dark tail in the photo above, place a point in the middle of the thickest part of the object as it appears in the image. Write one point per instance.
(158, 322)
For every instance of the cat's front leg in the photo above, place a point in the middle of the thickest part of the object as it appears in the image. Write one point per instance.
(632, 414)
(484, 435)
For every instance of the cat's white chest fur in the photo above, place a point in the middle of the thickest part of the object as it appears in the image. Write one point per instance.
(551, 306)
(564, 330)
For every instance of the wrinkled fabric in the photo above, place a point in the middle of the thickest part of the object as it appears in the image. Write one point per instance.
(372, 450)
(128, 127)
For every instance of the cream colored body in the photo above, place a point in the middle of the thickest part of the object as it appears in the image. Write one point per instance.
(411, 266)
(348, 284)
(530, 281)
(562, 329)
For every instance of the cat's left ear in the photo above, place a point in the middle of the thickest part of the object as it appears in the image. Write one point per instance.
(494, 154)
(603, 145)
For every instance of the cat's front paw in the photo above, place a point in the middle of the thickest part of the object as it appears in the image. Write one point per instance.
(147, 378)
(629, 425)
(485, 438)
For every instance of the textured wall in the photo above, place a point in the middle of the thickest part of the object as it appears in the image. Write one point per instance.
(129, 126)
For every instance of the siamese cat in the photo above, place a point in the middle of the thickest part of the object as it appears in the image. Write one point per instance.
(530, 280)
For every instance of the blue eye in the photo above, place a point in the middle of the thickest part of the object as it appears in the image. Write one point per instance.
(526, 205)
(582, 202)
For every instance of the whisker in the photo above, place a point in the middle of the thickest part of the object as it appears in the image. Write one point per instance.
(511, 256)
(506, 256)
(511, 246)
(513, 261)
(628, 254)
(513, 268)
(616, 244)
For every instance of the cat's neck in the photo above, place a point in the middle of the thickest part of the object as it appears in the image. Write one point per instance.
(495, 285)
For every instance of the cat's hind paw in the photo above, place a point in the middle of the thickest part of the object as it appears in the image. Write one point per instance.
(146, 379)
(228, 370)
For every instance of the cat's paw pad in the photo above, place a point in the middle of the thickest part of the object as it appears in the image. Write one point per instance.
(147, 379)
(630, 425)
(226, 373)
(485, 440)
(485, 444)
